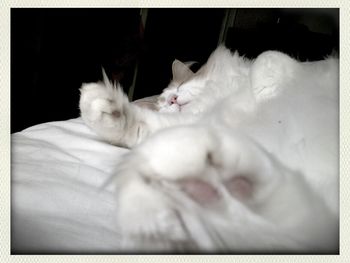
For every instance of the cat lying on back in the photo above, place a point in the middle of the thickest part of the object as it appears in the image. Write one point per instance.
(242, 153)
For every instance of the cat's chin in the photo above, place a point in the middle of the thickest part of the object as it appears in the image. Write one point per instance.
(183, 107)
(167, 110)
(172, 109)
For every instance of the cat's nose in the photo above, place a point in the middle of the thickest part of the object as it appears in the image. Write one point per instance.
(173, 99)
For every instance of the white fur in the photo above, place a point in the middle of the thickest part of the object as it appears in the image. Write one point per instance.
(248, 162)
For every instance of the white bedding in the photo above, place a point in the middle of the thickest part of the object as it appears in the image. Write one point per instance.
(58, 202)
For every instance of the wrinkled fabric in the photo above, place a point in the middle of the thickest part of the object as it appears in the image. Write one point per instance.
(58, 200)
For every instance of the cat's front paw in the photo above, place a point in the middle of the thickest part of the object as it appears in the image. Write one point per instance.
(105, 109)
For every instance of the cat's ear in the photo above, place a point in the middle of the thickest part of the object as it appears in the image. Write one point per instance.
(181, 71)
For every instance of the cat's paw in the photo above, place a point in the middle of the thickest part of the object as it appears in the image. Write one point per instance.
(206, 164)
(269, 72)
(180, 174)
(105, 109)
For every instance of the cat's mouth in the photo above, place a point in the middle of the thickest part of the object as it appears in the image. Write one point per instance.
(174, 107)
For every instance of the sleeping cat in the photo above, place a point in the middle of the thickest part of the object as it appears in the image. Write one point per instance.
(241, 156)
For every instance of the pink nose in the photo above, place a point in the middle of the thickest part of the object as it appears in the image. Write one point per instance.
(173, 99)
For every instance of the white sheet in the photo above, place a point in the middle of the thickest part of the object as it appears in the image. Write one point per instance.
(58, 205)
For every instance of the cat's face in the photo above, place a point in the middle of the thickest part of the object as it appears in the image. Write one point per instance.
(179, 97)
(182, 90)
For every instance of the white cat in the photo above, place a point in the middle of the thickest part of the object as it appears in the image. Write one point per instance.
(241, 156)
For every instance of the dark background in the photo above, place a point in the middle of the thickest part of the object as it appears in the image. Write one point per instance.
(54, 51)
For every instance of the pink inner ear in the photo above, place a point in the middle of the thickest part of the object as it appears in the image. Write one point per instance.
(199, 190)
(240, 187)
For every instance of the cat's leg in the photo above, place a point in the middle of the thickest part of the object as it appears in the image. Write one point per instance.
(216, 168)
(192, 159)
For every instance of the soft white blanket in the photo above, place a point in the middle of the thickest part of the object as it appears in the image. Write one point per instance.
(58, 202)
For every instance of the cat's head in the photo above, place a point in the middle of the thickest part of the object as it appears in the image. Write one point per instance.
(193, 92)
(182, 90)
